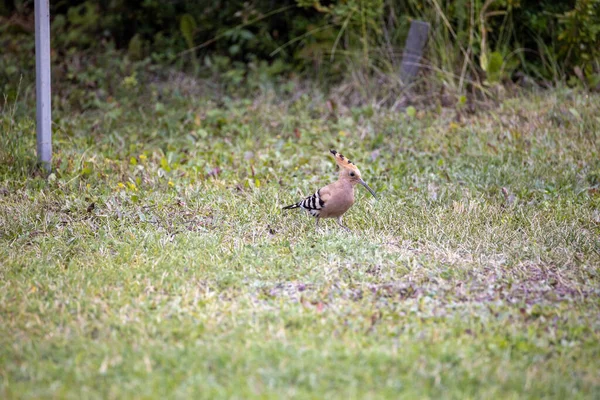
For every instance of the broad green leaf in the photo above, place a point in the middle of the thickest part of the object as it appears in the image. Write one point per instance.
(187, 27)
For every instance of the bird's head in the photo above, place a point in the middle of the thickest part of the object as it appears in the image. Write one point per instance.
(349, 171)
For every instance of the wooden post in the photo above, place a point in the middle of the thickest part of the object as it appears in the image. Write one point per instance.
(413, 50)
(42, 84)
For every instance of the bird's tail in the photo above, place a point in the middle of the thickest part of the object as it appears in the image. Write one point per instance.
(290, 207)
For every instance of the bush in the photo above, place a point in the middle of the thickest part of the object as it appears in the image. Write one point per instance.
(473, 43)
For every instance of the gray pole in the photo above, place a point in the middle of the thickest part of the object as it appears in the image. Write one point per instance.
(42, 83)
(413, 50)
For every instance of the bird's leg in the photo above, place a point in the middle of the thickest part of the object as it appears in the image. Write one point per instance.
(317, 224)
(339, 221)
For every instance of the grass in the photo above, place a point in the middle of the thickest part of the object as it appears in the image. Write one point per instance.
(156, 262)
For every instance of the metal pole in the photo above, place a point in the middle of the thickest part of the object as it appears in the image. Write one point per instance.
(42, 83)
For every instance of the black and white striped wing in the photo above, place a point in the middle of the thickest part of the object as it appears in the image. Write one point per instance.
(313, 204)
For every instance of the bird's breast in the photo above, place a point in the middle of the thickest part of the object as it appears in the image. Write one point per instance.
(338, 203)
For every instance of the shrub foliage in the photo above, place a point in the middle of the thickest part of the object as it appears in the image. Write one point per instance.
(480, 42)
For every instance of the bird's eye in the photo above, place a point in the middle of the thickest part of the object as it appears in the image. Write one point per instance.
(352, 174)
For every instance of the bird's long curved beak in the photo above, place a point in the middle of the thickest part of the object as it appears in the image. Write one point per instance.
(368, 188)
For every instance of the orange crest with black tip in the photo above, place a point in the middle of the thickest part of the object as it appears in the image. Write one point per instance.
(343, 162)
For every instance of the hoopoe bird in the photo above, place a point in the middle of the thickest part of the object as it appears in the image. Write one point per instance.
(333, 200)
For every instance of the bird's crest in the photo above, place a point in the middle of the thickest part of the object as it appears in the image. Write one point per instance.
(342, 161)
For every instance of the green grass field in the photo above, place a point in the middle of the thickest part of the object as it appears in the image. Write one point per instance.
(156, 261)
